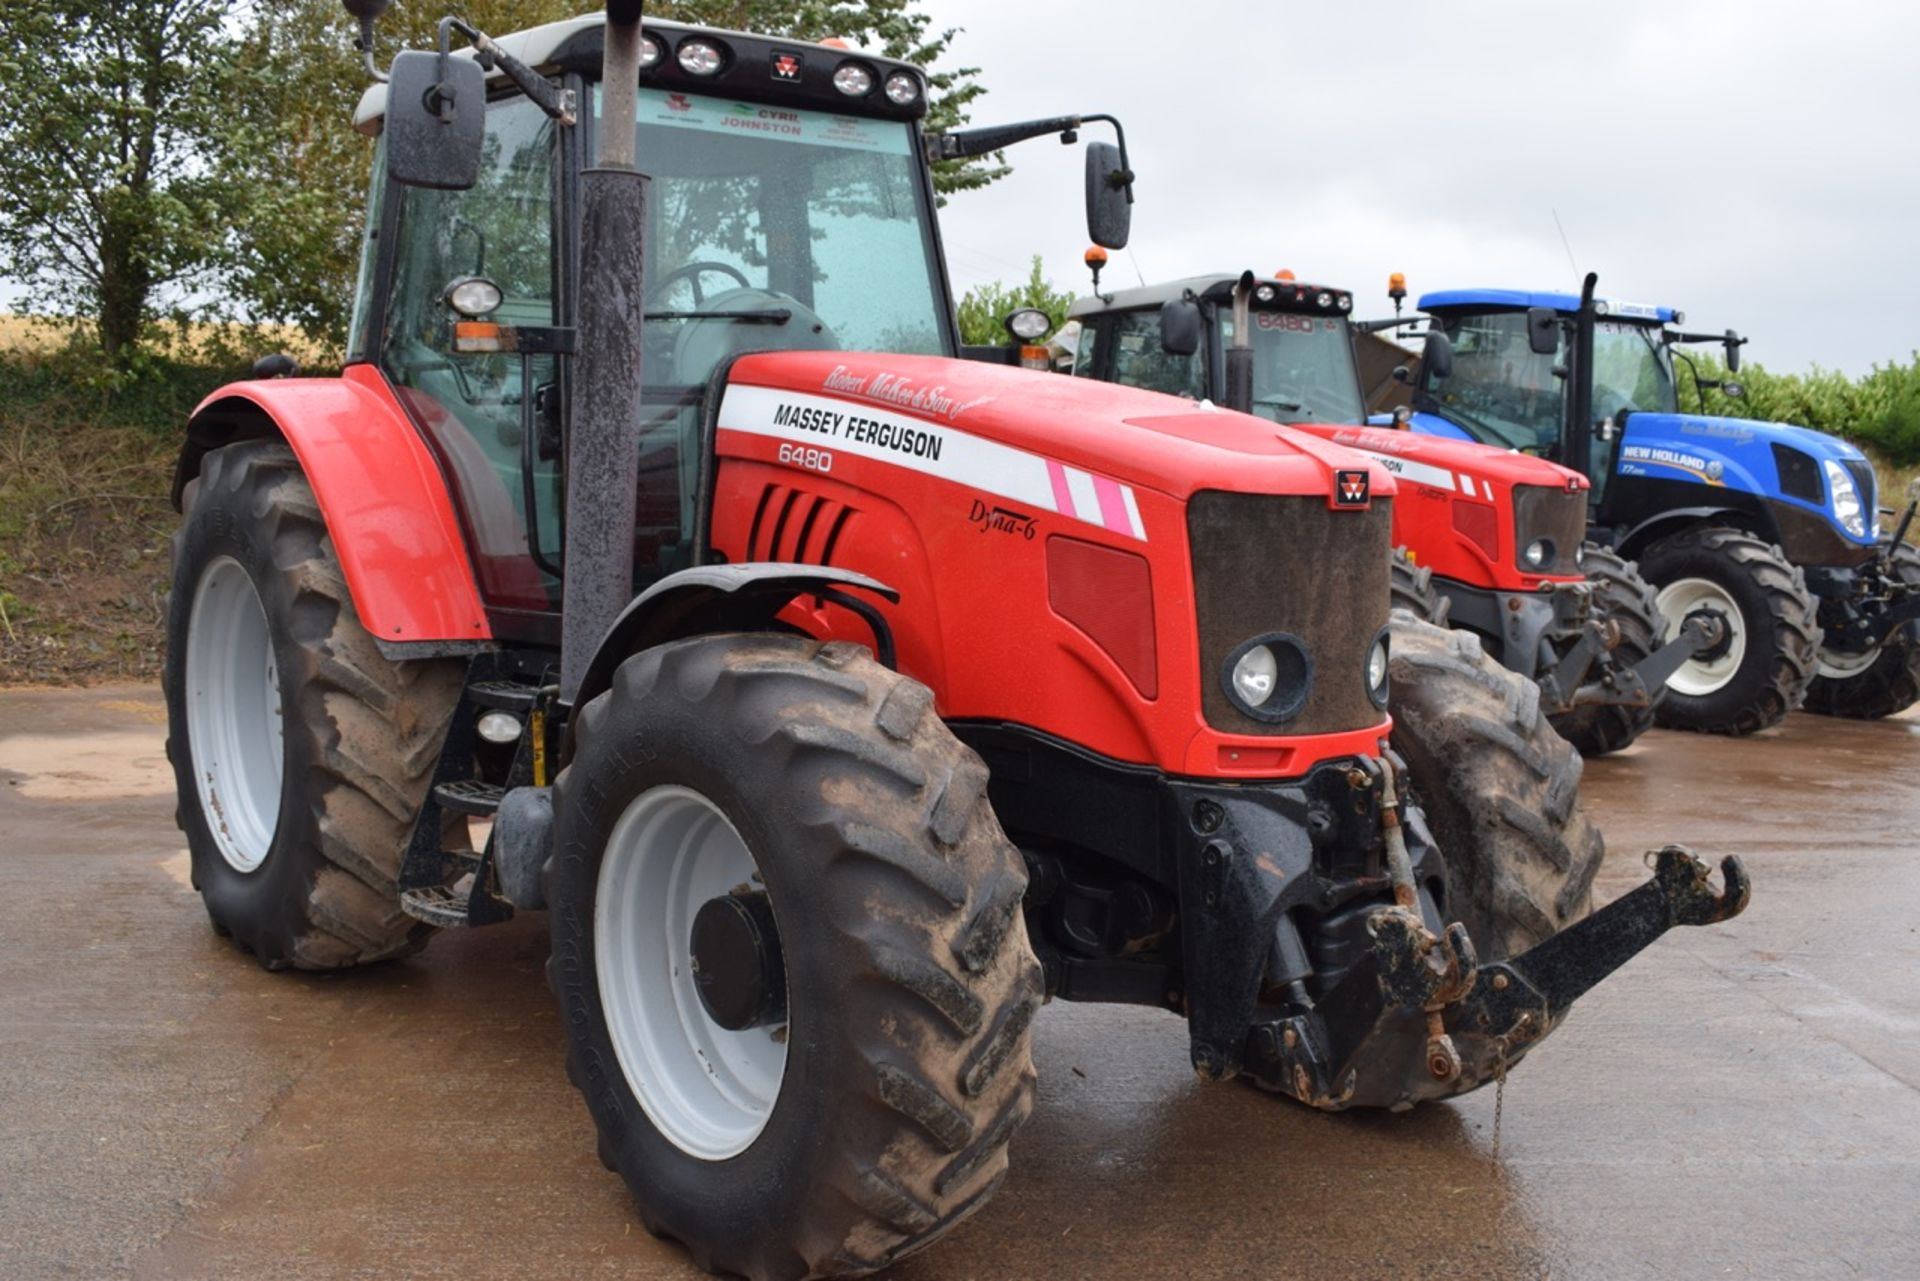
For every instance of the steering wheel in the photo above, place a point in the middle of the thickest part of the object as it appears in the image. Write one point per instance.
(691, 273)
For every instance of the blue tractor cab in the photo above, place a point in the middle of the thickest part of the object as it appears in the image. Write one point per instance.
(1772, 529)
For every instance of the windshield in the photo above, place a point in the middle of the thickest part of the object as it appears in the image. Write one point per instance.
(1505, 393)
(1631, 370)
(1303, 370)
(773, 228)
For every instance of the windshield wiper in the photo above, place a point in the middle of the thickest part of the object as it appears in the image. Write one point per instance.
(778, 316)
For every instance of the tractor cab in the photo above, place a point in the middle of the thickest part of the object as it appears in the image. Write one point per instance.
(791, 209)
(1176, 338)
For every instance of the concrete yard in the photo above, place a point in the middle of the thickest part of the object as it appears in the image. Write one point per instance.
(1740, 1101)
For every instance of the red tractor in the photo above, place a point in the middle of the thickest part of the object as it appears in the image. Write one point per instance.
(838, 707)
(1489, 540)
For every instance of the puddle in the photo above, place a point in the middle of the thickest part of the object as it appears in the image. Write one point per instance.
(81, 767)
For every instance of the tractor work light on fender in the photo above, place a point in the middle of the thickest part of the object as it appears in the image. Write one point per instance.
(1269, 678)
(1377, 670)
(702, 58)
(903, 90)
(1539, 553)
(1847, 508)
(853, 80)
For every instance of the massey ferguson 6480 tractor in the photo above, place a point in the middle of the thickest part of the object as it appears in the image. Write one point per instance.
(1494, 542)
(838, 698)
(1770, 531)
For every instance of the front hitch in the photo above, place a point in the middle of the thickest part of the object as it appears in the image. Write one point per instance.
(1420, 1019)
(1567, 686)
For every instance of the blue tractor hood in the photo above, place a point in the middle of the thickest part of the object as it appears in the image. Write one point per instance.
(1773, 461)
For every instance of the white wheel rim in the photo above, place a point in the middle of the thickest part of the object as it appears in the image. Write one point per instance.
(708, 1090)
(1838, 666)
(1678, 602)
(235, 731)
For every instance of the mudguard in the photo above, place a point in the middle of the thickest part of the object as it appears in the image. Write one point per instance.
(717, 598)
(381, 492)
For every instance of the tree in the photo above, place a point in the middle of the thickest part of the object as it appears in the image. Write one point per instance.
(108, 202)
(985, 308)
(299, 254)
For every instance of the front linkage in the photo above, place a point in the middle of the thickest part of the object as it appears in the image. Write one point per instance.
(1575, 661)
(1420, 1018)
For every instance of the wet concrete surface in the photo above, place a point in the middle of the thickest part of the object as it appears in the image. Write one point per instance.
(1742, 1101)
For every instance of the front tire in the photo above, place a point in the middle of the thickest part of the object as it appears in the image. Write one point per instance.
(1885, 682)
(300, 753)
(1621, 595)
(1762, 667)
(909, 985)
(1500, 790)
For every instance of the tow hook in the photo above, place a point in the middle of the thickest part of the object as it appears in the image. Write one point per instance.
(1373, 1041)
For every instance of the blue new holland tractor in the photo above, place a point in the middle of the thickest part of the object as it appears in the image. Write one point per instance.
(1771, 529)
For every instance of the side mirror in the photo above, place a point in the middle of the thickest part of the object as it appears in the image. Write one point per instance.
(1734, 343)
(1180, 327)
(1736, 391)
(1438, 356)
(1109, 187)
(1543, 330)
(435, 129)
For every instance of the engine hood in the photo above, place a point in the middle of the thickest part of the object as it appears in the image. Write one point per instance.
(929, 410)
(1733, 433)
(1462, 465)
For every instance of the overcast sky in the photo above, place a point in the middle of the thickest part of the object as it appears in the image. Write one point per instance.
(1751, 163)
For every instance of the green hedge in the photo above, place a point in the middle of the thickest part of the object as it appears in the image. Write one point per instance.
(1880, 411)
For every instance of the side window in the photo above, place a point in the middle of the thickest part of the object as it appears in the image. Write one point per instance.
(1139, 360)
(1084, 351)
(478, 408)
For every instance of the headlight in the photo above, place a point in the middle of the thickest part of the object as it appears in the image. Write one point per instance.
(1847, 508)
(1377, 671)
(650, 52)
(902, 89)
(1324, 300)
(1029, 324)
(1539, 553)
(702, 58)
(1268, 678)
(474, 297)
(853, 80)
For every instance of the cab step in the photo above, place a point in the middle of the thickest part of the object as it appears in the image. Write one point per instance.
(468, 797)
(451, 907)
(505, 696)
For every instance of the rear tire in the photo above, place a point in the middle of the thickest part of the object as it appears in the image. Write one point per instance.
(1870, 687)
(1500, 790)
(1761, 671)
(268, 666)
(910, 985)
(1619, 594)
(1413, 590)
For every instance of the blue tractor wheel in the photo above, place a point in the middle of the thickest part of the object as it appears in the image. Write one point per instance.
(1880, 682)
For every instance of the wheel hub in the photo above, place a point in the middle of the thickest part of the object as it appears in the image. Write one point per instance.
(1714, 668)
(738, 968)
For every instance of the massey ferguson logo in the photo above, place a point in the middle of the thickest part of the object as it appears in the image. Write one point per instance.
(787, 67)
(1352, 488)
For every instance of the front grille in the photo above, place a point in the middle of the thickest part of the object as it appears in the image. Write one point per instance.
(1557, 515)
(1799, 474)
(1266, 563)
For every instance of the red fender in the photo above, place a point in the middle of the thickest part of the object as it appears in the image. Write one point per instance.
(380, 490)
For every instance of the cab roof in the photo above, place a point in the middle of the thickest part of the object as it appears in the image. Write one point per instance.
(577, 44)
(1218, 287)
(1481, 299)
